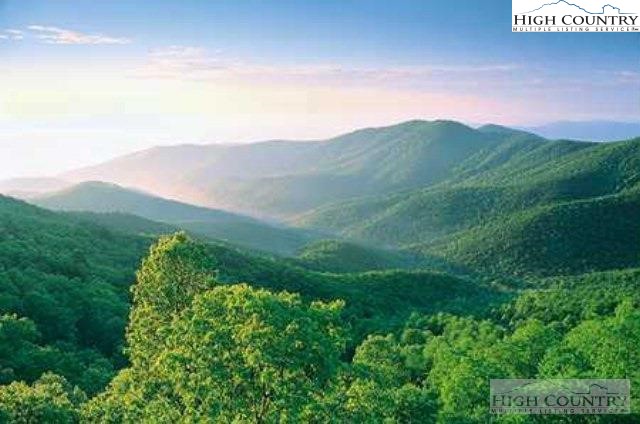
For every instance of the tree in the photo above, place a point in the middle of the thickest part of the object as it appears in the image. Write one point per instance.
(605, 346)
(49, 400)
(175, 270)
(236, 354)
(383, 385)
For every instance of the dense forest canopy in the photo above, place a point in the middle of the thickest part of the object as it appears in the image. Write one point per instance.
(198, 347)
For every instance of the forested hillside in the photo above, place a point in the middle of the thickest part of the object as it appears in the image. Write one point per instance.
(63, 295)
(340, 256)
(64, 281)
(562, 238)
(526, 207)
(108, 203)
(225, 352)
(505, 202)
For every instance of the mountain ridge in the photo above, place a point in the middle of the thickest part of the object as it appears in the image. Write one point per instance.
(278, 179)
(107, 198)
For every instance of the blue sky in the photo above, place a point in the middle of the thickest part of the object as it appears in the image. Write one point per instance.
(350, 31)
(98, 79)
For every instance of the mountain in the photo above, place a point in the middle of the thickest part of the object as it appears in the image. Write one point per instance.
(508, 206)
(415, 186)
(96, 196)
(480, 188)
(280, 179)
(545, 232)
(560, 239)
(119, 203)
(589, 130)
(284, 179)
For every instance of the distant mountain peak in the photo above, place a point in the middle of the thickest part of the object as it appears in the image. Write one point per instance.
(503, 130)
(596, 130)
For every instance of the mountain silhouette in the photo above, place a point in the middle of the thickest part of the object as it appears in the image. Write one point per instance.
(602, 12)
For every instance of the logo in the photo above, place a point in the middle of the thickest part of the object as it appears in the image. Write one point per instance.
(560, 397)
(576, 16)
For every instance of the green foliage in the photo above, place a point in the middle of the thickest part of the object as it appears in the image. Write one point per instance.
(22, 357)
(49, 400)
(63, 299)
(375, 301)
(601, 346)
(68, 278)
(567, 238)
(208, 352)
(342, 257)
(564, 302)
(452, 359)
(175, 270)
(235, 355)
(386, 387)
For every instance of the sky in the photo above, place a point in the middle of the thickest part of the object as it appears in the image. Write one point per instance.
(85, 81)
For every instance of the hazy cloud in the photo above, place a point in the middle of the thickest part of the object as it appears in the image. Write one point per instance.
(55, 35)
(11, 34)
(627, 77)
(195, 63)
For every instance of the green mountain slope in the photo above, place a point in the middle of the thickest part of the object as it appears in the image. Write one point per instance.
(339, 256)
(125, 223)
(97, 196)
(516, 194)
(118, 202)
(567, 238)
(280, 179)
(179, 336)
(417, 185)
(561, 219)
(64, 295)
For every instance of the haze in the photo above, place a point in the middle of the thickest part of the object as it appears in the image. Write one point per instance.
(84, 82)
